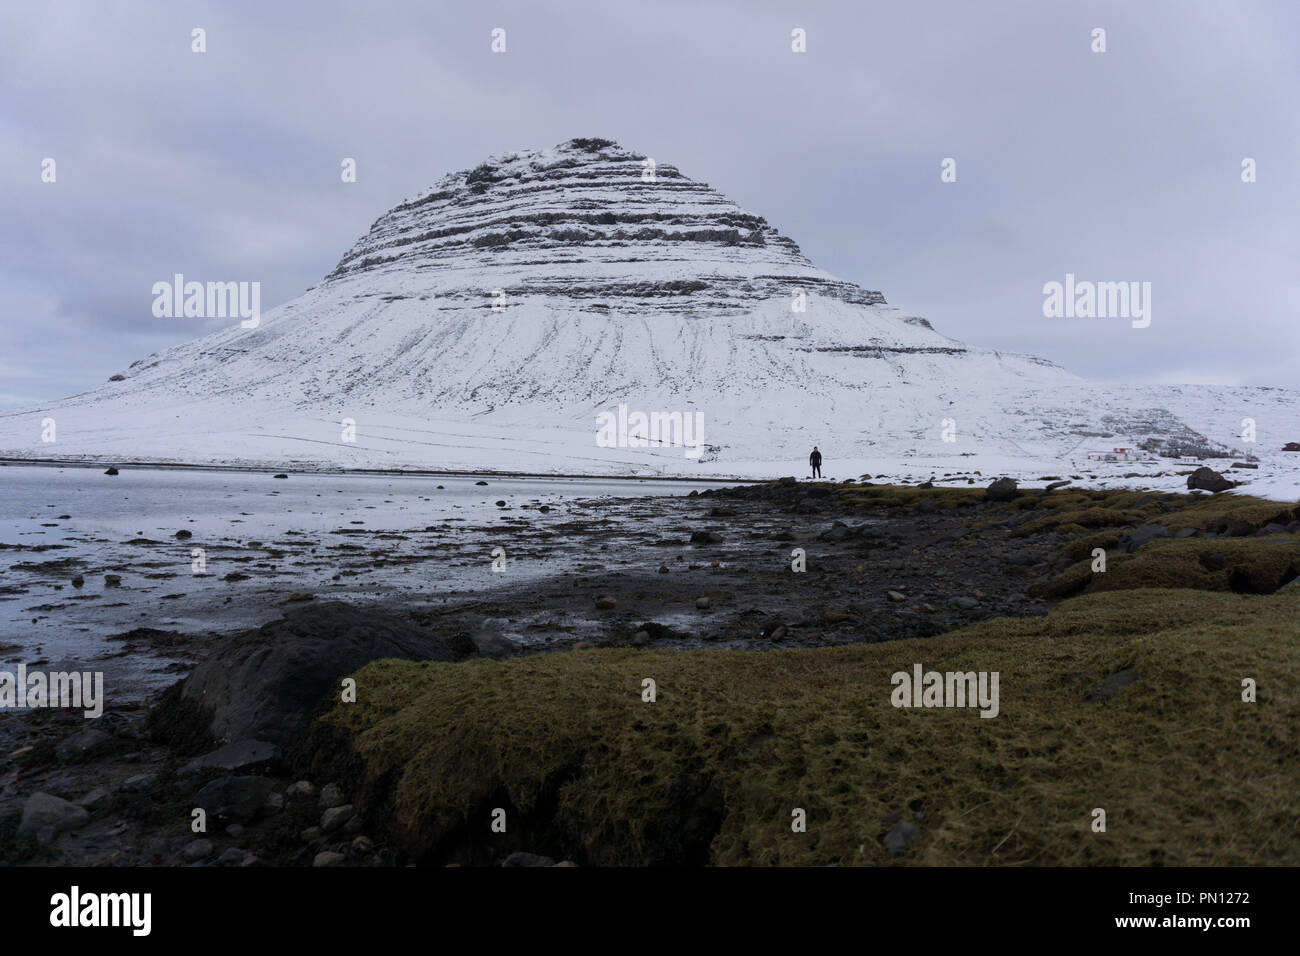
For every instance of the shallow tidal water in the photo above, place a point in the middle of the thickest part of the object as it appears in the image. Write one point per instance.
(265, 543)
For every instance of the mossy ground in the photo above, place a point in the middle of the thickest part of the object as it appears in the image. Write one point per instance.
(1245, 564)
(898, 496)
(1186, 771)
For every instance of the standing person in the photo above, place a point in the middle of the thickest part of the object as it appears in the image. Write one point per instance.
(815, 459)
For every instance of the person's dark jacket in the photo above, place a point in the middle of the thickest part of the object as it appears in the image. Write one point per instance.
(815, 459)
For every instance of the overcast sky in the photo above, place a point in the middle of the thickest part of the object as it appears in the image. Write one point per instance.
(1115, 166)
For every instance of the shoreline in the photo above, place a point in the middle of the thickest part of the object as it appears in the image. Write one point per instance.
(1273, 478)
(890, 571)
(367, 472)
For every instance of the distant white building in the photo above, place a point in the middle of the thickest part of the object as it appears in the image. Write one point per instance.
(1115, 454)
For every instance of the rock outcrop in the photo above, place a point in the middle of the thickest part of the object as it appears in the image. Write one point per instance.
(265, 684)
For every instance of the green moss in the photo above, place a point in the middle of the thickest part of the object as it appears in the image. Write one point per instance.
(1249, 565)
(1245, 564)
(1070, 500)
(898, 496)
(1081, 548)
(1188, 774)
(1073, 580)
(1201, 513)
(1081, 518)
(1138, 502)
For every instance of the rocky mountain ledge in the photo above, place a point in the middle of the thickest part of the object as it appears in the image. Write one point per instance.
(594, 223)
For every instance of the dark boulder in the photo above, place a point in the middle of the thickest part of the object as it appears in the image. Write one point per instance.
(234, 798)
(1232, 527)
(837, 532)
(83, 744)
(1207, 479)
(242, 755)
(45, 816)
(266, 684)
(1144, 535)
(1002, 489)
(706, 537)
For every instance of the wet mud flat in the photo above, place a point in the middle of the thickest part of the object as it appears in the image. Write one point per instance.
(174, 560)
(748, 569)
(663, 580)
(713, 569)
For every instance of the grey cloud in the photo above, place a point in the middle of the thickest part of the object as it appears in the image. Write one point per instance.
(1123, 165)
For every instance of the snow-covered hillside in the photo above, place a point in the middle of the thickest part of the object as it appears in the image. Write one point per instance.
(485, 323)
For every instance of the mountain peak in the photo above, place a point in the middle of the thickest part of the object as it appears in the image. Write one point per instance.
(594, 222)
(591, 144)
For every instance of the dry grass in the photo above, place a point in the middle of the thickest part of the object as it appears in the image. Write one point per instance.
(1188, 773)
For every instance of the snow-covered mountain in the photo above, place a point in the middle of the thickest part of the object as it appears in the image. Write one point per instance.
(486, 322)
